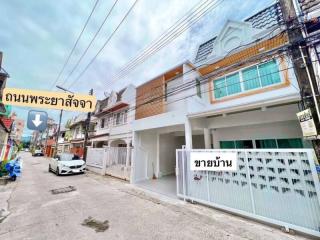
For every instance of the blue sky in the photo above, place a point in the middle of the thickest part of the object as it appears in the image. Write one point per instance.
(37, 36)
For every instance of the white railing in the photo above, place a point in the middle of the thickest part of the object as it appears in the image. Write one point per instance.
(95, 157)
(114, 161)
(279, 186)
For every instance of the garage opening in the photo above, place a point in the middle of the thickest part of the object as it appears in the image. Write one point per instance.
(161, 161)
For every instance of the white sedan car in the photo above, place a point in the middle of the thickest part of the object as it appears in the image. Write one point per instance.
(66, 163)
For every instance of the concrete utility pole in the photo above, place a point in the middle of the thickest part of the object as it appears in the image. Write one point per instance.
(302, 65)
(86, 133)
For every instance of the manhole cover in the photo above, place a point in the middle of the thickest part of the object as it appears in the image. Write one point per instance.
(63, 190)
(99, 226)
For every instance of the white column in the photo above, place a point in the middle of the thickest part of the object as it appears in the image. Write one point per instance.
(188, 134)
(207, 139)
(128, 141)
(157, 165)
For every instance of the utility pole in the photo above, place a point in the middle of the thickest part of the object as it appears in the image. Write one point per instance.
(86, 134)
(302, 65)
(58, 132)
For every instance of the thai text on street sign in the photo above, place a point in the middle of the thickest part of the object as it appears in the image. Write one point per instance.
(46, 99)
(307, 123)
(37, 120)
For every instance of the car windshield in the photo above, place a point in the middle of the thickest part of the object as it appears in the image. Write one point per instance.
(68, 157)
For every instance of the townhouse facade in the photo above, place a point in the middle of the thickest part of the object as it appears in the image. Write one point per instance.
(112, 119)
(244, 94)
(64, 140)
(239, 95)
(111, 134)
(77, 127)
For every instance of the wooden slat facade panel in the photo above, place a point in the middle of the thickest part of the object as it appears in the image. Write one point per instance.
(150, 98)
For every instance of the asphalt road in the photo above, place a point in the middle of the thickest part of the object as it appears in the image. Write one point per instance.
(117, 209)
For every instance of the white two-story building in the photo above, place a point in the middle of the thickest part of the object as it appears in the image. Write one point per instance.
(111, 138)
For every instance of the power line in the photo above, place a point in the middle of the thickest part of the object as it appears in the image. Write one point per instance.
(91, 42)
(103, 46)
(165, 34)
(163, 41)
(167, 103)
(255, 58)
(74, 46)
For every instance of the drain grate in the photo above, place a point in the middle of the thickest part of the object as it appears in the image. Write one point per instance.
(99, 226)
(63, 190)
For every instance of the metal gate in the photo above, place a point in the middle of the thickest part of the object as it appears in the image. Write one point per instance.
(113, 161)
(279, 186)
(116, 162)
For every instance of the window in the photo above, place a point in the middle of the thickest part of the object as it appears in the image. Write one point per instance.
(227, 144)
(244, 144)
(266, 143)
(290, 143)
(269, 73)
(251, 78)
(236, 144)
(102, 123)
(198, 87)
(258, 76)
(233, 84)
(220, 88)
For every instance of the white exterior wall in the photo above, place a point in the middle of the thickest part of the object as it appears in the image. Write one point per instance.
(122, 131)
(168, 143)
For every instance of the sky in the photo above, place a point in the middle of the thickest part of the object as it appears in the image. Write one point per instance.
(36, 37)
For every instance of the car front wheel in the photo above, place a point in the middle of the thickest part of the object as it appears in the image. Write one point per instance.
(49, 169)
(57, 172)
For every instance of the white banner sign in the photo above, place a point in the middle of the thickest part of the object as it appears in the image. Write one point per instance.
(213, 161)
(307, 123)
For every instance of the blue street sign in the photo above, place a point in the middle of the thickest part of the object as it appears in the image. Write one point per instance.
(37, 120)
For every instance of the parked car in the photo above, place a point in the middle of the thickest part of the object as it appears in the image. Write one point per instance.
(37, 153)
(66, 163)
(26, 150)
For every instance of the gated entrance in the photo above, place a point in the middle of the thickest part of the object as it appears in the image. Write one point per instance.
(113, 161)
(279, 186)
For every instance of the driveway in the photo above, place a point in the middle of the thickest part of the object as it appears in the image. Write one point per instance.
(90, 206)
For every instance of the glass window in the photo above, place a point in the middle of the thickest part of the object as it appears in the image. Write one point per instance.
(266, 143)
(251, 78)
(102, 123)
(269, 73)
(290, 143)
(220, 88)
(233, 84)
(244, 144)
(227, 144)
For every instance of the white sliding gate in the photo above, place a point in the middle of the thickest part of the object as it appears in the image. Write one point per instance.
(113, 161)
(279, 186)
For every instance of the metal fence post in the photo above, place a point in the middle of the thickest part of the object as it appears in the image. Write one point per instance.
(177, 170)
(183, 175)
(249, 182)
